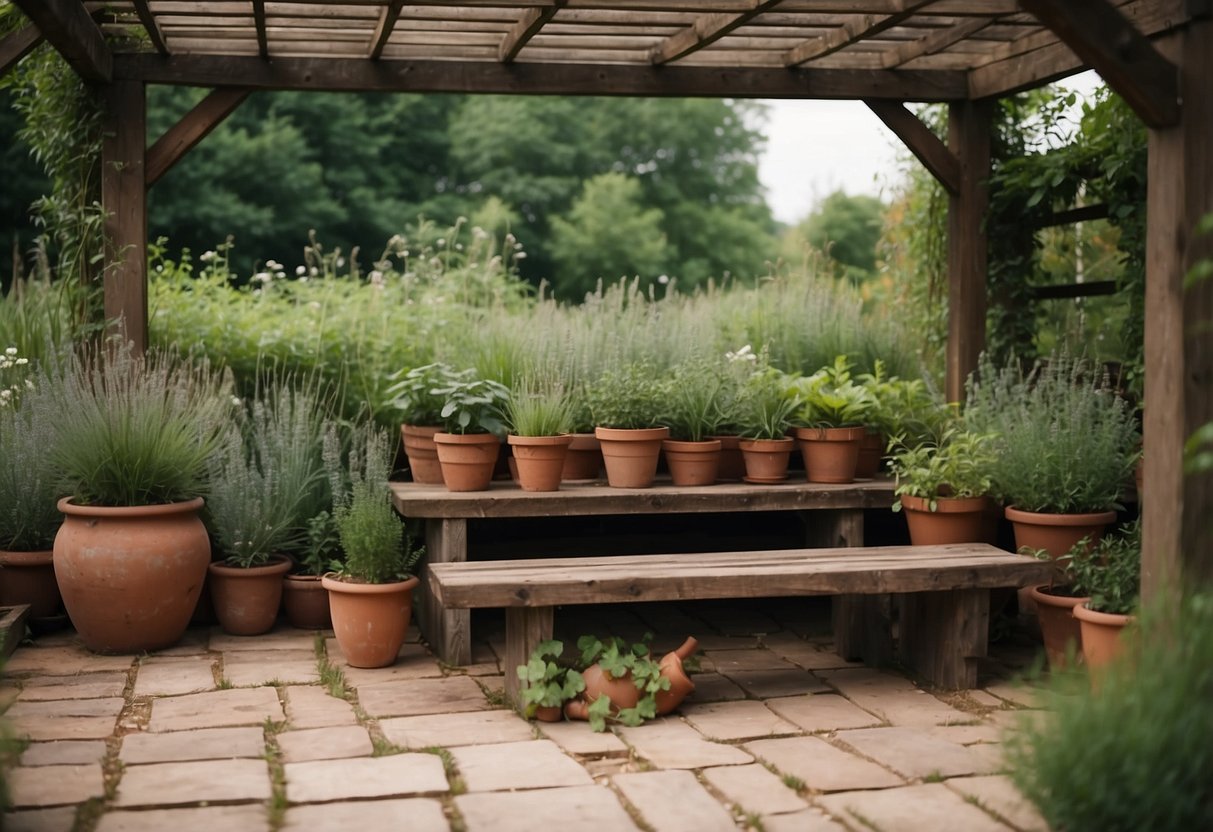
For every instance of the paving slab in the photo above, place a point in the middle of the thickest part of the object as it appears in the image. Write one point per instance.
(754, 789)
(215, 709)
(44, 786)
(716, 641)
(577, 738)
(535, 764)
(998, 794)
(916, 753)
(674, 801)
(175, 676)
(821, 766)
(822, 712)
(712, 687)
(63, 753)
(194, 819)
(929, 807)
(40, 820)
(805, 654)
(398, 775)
(265, 667)
(412, 697)
(176, 784)
(895, 698)
(744, 720)
(412, 662)
(417, 814)
(451, 730)
(985, 699)
(1017, 694)
(84, 686)
(199, 744)
(670, 743)
(730, 661)
(336, 743)
(63, 661)
(69, 719)
(579, 807)
(193, 643)
(766, 684)
(313, 707)
(966, 734)
(810, 820)
(282, 638)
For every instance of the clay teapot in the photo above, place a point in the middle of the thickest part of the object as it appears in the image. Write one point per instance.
(680, 683)
(624, 693)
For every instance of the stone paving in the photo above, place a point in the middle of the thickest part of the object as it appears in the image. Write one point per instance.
(276, 733)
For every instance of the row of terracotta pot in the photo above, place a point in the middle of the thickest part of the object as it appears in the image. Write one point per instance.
(1070, 628)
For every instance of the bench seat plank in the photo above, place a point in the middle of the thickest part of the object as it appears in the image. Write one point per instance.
(756, 574)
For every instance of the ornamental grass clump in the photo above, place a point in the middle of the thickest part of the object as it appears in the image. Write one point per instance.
(695, 400)
(29, 487)
(539, 408)
(371, 533)
(764, 405)
(1067, 443)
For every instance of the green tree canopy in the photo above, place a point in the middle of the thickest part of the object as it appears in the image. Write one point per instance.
(848, 229)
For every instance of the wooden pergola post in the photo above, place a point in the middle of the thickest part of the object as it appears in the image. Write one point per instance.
(124, 198)
(1177, 524)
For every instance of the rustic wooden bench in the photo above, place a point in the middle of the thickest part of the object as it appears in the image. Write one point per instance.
(944, 589)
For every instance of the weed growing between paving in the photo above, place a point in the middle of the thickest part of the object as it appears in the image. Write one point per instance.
(453, 777)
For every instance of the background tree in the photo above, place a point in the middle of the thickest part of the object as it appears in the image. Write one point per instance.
(847, 229)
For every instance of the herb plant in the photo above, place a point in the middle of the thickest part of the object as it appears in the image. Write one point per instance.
(474, 405)
(29, 516)
(764, 406)
(694, 410)
(547, 682)
(415, 392)
(1109, 572)
(537, 409)
(627, 398)
(830, 399)
(958, 465)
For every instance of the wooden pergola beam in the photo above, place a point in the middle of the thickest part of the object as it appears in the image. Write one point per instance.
(16, 45)
(383, 29)
(705, 31)
(263, 41)
(935, 156)
(67, 27)
(124, 198)
(1100, 35)
(359, 74)
(150, 25)
(934, 43)
(193, 127)
(526, 28)
(853, 29)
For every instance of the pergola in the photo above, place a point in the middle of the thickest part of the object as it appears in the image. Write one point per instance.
(1157, 54)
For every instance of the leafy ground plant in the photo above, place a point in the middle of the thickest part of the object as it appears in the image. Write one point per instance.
(621, 660)
(548, 683)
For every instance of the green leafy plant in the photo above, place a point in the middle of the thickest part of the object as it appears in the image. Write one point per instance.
(764, 405)
(473, 405)
(547, 682)
(539, 409)
(958, 465)
(415, 393)
(905, 408)
(830, 399)
(628, 398)
(696, 396)
(1109, 572)
(29, 516)
(623, 661)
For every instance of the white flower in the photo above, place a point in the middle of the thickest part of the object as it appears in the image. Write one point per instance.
(273, 265)
(376, 277)
(300, 270)
(10, 351)
(236, 401)
(261, 277)
(21, 361)
(520, 255)
(207, 256)
(313, 271)
(340, 262)
(746, 353)
(663, 279)
(441, 242)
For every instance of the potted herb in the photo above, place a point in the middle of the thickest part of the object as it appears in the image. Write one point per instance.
(318, 551)
(739, 365)
(1066, 446)
(539, 416)
(372, 595)
(473, 414)
(834, 410)
(762, 413)
(626, 404)
(1055, 603)
(1110, 575)
(693, 414)
(943, 486)
(902, 408)
(415, 394)
(132, 442)
(547, 682)
(584, 458)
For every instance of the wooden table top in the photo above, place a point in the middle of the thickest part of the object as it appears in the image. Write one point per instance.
(575, 499)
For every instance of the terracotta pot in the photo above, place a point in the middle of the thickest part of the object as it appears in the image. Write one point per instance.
(584, 458)
(692, 463)
(247, 600)
(467, 459)
(540, 460)
(680, 683)
(766, 460)
(732, 465)
(871, 454)
(623, 691)
(1101, 642)
(549, 713)
(955, 520)
(306, 602)
(1056, 533)
(1058, 627)
(422, 453)
(631, 455)
(130, 575)
(29, 578)
(830, 454)
(370, 620)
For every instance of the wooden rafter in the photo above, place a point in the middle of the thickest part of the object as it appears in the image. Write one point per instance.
(935, 156)
(383, 29)
(1100, 35)
(193, 127)
(16, 45)
(67, 27)
(150, 25)
(935, 42)
(853, 28)
(263, 41)
(705, 31)
(527, 27)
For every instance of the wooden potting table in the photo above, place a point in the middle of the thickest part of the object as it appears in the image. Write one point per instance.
(832, 516)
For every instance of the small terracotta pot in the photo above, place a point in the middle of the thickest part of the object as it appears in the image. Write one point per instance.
(370, 620)
(692, 463)
(680, 683)
(1101, 635)
(1058, 627)
(766, 460)
(871, 454)
(955, 520)
(1056, 533)
(631, 455)
(549, 713)
(584, 458)
(247, 600)
(732, 465)
(29, 578)
(467, 459)
(306, 602)
(830, 454)
(422, 453)
(540, 460)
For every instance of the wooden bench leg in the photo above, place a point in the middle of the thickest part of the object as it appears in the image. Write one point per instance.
(943, 634)
(449, 632)
(525, 627)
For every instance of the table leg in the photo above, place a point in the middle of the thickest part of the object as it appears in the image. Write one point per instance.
(943, 634)
(525, 627)
(449, 632)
